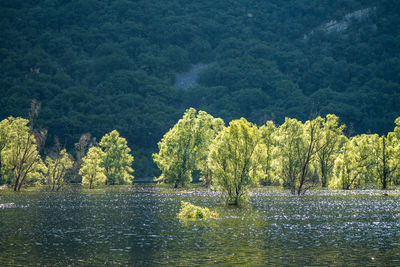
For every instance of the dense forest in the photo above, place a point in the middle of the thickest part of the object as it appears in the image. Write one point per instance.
(99, 65)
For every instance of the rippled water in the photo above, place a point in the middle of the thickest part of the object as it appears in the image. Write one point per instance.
(138, 226)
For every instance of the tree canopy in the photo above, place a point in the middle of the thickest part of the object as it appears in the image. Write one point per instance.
(236, 159)
(116, 159)
(184, 148)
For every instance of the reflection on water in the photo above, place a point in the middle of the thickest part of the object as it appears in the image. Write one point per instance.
(138, 226)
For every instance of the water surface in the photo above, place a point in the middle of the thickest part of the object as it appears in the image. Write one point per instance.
(138, 226)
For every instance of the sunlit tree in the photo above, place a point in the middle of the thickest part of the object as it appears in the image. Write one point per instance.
(184, 148)
(354, 166)
(92, 171)
(387, 156)
(394, 139)
(328, 147)
(267, 134)
(207, 128)
(21, 160)
(85, 142)
(4, 140)
(117, 160)
(297, 145)
(236, 160)
(57, 167)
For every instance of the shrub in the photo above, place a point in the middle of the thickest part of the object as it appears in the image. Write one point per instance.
(190, 211)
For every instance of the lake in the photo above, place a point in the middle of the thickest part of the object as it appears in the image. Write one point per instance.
(137, 225)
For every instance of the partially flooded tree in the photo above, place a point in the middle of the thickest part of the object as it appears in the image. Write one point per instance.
(92, 171)
(117, 160)
(58, 164)
(387, 156)
(86, 141)
(267, 134)
(328, 147)
(297, 145)
(236, 160)
(4, 140)
(184, 148)
(21, 157)
(355, 164)
(207, 129)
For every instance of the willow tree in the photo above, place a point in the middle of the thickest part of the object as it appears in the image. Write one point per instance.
(328, 147)
(4, 140)
(354, 165)
(267, 134)
(184, 148)
(92, 171)
(57, 167)
(20, 159)
(236, 160)
(387, 156)
(207, 127)
(116, 160)
(297, 145)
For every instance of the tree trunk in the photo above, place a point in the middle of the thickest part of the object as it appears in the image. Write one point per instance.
(323, 176)
(16, 184)
(384, 171)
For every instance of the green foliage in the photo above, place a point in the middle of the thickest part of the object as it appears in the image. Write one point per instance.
(116, 159)
(92, 171)
(101, 65)
(236, 159)
(267, 133)
(354, 166)
(4, 140)
(387, 155)
(328, 147)
(184, 148)
(21, 163)
(297, 145)
(57, 168)
(190, 211)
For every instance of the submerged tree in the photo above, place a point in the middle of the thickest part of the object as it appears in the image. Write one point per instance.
(297, 145)
(236, 159)
(328, 147)
(355, 164)
(4, 140)
(116, 159)
(86, 141)
(57, 167)
(21, 161)
(91, 169)
(207, 129)
(184, 148)
(267, 133)
(387, 156)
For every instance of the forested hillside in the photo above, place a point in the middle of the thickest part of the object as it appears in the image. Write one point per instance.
(99, 65)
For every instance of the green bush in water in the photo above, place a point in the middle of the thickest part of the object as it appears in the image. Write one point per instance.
(190, 211)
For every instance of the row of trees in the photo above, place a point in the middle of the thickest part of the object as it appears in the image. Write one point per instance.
(296, 155)
(21, 163)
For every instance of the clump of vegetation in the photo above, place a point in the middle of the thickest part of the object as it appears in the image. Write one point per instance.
(190, 211)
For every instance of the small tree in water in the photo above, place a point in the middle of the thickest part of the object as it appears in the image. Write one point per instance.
(92, 172)
(236, 159)
(57, 167)
(116, 159)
